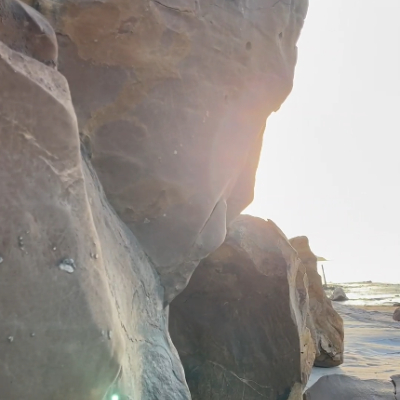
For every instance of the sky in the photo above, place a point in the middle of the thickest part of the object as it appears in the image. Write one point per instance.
(330, 162)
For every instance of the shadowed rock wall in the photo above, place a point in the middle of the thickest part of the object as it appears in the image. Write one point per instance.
(240, 325)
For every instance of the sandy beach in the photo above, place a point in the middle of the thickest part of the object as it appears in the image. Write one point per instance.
(372, 343)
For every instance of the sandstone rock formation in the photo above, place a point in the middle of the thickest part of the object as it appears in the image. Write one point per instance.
(343, 387)
(325, 323)
(339, 295)
(171, 98)
(240, 325)
(396, 314)
(98, 326)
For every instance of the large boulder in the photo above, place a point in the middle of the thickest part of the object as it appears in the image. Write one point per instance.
(325, 323)
(172, 98)
(81, 308)
(343, 387)
(240, 325)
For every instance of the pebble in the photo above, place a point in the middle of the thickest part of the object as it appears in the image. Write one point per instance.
(33, 334)
(109, 334)
(67, 265)
(10, 339)
(1, 259)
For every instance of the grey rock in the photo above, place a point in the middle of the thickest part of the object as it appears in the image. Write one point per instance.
(25, 30)
(343, 387)
(67, 265)
(46, 186)
(339, 295)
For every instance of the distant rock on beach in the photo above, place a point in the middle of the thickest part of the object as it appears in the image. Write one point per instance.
(396, 314)
(339, 295)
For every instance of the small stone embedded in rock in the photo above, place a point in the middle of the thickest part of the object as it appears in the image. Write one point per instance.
(67, 265)
(33, 334)
(10, 339)
(110, 334)
(1, 259)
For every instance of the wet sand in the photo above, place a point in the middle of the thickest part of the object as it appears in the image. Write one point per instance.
(372, 343)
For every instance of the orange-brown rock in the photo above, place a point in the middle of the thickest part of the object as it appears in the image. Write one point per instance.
(172, 98)
(325, 323)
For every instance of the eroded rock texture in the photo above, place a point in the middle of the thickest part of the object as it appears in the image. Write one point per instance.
(343, 387)
(25, 30)
(240, 325)
(98, 327)
(325, 323)
(172, 98)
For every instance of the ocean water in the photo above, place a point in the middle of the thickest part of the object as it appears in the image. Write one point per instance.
(369, 293)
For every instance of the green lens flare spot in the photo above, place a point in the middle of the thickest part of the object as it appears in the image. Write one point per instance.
(114, 397)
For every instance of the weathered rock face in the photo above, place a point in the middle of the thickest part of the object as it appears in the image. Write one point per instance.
(92, 326)
(339, 295)
(172, 98)
(240, 325)
(343, 387)
(24, 30)
(325, 323)
(396, 314)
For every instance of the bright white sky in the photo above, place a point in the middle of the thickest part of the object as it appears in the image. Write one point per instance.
(330, 164)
